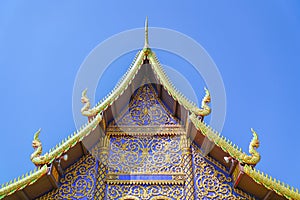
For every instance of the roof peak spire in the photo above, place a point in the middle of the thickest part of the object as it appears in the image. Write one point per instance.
(146, 45)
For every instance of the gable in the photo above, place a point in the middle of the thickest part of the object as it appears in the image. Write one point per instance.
(145, 108)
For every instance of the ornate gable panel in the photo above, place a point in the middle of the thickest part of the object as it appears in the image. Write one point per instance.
(141, 192)
(78, 182)
(145, 154)
(145, 109)
(212, 180)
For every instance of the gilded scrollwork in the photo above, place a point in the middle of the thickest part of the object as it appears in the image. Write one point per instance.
(145, 109)
(211, 182)
(78, 182)
(145, 154)
(145, 192)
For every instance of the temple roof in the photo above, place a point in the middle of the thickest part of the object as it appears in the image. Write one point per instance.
(146, 58)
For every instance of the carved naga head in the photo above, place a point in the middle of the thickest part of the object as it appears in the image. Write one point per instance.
(255, 142)
(84, 98)
(36, 141)
(206, 98)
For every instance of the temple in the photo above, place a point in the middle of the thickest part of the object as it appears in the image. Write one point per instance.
(145, 140)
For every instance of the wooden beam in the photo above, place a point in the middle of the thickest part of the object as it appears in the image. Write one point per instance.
(104, 120)
(268, 195)
(159, 90)
(175, 105)
(84, 150)
(238, 179)
(188, 126)
(114, 109)
(232, 166)
(53, 176)
(22, 194)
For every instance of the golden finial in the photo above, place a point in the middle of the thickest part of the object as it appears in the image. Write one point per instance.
(146, 34)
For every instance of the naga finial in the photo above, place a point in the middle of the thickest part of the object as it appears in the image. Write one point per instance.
(85, 110)
(206, 99)
(254, 158)
(84, 98)
(254, 142)
(146, 45)
(205, 109)
(37, 145)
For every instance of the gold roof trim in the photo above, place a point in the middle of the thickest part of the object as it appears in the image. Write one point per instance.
(164, 80)
(65, 144)
(120, 87)
(227, 146)
(175, 93)
(43, 160)
(271, 183)
(236, 152)
(20, 183)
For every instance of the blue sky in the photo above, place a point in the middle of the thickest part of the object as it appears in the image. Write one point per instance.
(255, 45)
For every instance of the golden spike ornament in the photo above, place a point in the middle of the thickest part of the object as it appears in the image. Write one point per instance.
(85, 110)
(205, 109)
(146, 45)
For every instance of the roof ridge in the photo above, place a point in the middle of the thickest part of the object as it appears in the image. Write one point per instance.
(118, 84)
(122, 85)
(173, 91)
(158, 70)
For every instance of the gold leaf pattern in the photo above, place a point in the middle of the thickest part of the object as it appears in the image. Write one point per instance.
(151, 192)
(145, 109)
(78, 182)
(129, 154)
(211, 182)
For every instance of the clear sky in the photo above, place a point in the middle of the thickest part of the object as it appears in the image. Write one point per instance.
(255, 44)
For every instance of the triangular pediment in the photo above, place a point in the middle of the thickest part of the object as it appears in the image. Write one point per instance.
(145, 108)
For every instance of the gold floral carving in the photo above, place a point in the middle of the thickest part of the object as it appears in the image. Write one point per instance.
(145, 154)
(78, 182)
(145, 109)
(145, 192)
(211, 182)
